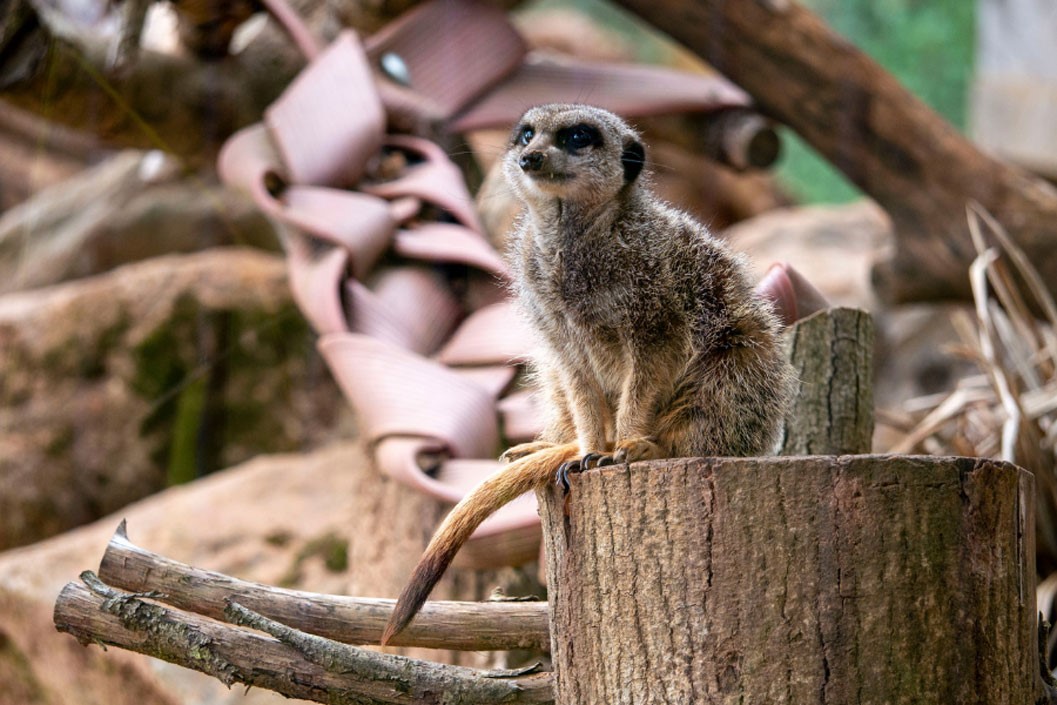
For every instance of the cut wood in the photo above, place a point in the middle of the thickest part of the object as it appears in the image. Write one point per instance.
(854, 579)
(884, 139)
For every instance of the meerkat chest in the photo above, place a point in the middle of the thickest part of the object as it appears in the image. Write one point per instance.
(570, 295)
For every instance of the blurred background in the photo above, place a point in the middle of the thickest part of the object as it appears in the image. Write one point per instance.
(155, 366)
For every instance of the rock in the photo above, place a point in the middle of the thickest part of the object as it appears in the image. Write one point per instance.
(133, 206)
(833, 246)
(115, 386)
(264, 520)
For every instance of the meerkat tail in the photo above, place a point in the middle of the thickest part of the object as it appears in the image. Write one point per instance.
(497, 490)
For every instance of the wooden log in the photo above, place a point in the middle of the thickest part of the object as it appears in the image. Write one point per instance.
(739, 138)
(853, 580)
(832, 352)
(884, 139)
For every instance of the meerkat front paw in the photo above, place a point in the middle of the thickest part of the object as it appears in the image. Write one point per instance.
(575, 465)
(633, 449)
(523, 450)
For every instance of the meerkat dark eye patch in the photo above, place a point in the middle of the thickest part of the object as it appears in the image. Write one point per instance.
(633, 158)
(577, 137)
(524, 134)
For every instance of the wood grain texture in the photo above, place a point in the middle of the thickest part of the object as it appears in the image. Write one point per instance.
(852, 580)
(832, 353)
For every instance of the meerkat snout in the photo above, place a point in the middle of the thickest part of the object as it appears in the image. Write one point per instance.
(532, 161)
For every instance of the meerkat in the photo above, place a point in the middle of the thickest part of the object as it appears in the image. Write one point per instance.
(653, 343)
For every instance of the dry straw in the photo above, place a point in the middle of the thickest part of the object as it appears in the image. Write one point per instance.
(1010, 410)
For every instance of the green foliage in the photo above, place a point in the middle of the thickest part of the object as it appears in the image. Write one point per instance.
(927, 44)
(332, 549)
(201, 372)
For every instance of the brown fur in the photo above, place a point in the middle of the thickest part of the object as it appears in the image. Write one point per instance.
(521, 476)
(653, 343)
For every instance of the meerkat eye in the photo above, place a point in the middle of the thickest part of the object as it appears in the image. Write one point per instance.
(525, 135)
(579, 137)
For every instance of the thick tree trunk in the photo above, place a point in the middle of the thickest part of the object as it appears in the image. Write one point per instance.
(855, 579)
(870, 127)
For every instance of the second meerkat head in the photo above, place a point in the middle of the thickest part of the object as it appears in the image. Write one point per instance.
(572, 152)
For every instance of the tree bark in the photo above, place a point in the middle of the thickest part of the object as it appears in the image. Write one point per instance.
(832, 352)
(855, 579)
(865, 123)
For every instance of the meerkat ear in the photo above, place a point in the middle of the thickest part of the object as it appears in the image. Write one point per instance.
(633, 158)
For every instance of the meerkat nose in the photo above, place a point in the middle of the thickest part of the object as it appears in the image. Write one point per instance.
(532, 161)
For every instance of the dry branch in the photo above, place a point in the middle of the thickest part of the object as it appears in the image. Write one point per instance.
(889, 143)
(1017, 390)
(329, 672)
(475, 626)
(100, 218)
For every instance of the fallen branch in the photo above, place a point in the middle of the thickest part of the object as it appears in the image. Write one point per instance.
(889, 143)
(472, 626)
(330, 672)
(95, 220)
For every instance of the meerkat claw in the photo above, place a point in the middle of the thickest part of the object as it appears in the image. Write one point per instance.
(596, 460)
(564, 470)
(585, 462)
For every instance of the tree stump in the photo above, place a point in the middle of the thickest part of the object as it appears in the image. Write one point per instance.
(832, 353)
(850, 579)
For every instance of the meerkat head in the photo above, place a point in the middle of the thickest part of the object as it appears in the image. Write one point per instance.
(572, 152)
